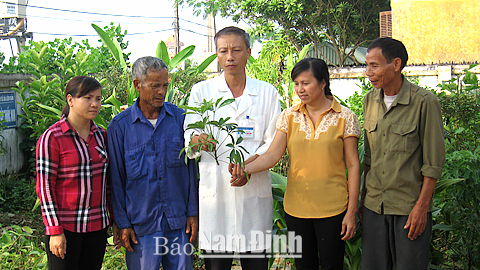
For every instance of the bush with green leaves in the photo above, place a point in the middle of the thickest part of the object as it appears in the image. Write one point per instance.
(20, 249)
(460, 212)
(460, 102)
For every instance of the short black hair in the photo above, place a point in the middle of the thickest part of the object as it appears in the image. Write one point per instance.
(391, 49)
(319, 70)
(232, 30)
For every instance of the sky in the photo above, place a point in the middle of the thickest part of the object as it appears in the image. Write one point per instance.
(146, 21)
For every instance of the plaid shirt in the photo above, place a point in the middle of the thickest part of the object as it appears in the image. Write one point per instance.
(72, 179)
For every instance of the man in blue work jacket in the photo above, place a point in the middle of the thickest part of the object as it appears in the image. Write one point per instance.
(154, 193)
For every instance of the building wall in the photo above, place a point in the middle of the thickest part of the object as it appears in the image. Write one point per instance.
(344, 81)
(13, 160)
(438, 31)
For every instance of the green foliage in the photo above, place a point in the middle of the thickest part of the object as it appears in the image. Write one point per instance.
(353, 251)
(214, 128)
(345, 23)
(16, 193)
(460, 213)
(460, 103)
(43, 98)
(279, 76)
(19, 249)
(355, 102)
(183, 80)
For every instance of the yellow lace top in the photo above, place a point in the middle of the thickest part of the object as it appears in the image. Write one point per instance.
(317, 184)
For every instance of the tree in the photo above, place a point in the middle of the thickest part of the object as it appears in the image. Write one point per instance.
(347, 24)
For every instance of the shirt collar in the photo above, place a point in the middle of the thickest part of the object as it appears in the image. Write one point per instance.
(65, 126)
(249, 90)
(335, 106)
(403, 96)
(137, 114)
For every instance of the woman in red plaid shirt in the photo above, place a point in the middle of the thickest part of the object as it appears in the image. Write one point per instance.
(72, 183)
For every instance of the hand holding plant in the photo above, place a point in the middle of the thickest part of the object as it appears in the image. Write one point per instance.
(215, 133)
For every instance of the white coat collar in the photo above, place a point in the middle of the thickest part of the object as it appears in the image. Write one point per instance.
(246, 101)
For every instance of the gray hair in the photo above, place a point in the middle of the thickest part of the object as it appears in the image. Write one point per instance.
(232, 30)
(146, 64)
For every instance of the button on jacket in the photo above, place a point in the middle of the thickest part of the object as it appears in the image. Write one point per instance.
(149, 180)
(402, 145)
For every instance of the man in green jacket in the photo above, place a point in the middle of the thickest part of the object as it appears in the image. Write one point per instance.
(404, 156)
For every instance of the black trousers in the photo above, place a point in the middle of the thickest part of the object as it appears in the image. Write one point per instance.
(320, 238)
(225, 263)
(84, 251)
(386, 246)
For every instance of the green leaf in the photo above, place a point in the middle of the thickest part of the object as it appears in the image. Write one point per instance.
(100, 122)
(112, 45)
(114, 101)
(171, 90)
(181, 56)
(205, 63)
(239, 140)
(27, 229)
(442, 184)
(304, 51)
(162, 52)
(278, 178)
(226, 102)
(442, 227)
(110, 240)
(54, 110)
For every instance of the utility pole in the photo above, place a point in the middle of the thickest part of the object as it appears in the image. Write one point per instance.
(13, 23)
(210, 32)
(177, 31)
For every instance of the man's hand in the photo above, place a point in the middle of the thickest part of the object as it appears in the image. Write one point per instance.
(192, 227)
(58, 245)
(417, 221)
(125, 236)
(205, 142)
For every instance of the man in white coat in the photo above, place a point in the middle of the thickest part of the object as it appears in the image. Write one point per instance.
(235, 215)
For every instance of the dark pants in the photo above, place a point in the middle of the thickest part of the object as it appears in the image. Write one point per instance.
(84, 251)
(320, 237)
(225, 263)
(386, 244)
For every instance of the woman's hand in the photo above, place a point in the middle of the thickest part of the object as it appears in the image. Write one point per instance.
(239, 176)
(349, 226)
(58, 245)
(116, 236)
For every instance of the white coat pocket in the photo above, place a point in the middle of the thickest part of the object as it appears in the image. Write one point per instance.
(208, 179)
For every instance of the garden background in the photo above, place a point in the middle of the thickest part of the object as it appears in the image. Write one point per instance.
(456, 238)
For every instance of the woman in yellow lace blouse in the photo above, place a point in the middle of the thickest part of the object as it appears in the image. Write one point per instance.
(322, 140)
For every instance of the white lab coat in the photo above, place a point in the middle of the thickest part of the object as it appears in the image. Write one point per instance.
(228, 212)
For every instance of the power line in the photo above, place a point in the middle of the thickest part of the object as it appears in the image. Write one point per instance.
(97, 13)
(186, 30)
(90, 13)
(91, 21)
(85, 35)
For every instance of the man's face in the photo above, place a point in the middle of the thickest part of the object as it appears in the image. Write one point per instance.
(232, 54)
(152, 89)
(380, 73)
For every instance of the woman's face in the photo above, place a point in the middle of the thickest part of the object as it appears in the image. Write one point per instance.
(308, 89)
(87, 106)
